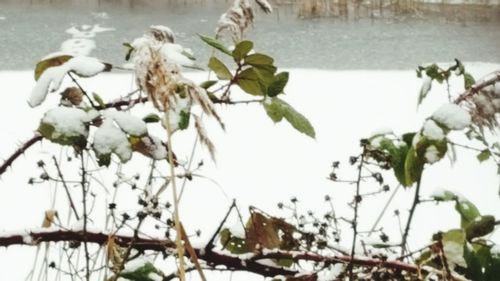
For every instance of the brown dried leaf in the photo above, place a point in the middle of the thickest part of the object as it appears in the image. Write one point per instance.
(73, 94)
(203, 136)
(49, 217)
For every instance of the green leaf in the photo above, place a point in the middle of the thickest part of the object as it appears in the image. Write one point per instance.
(233, 244)
(216, 44)
(468, 212)
(258, 59)
(483, 155)
(241, 50)
(143, 273)
(207, 84)
(54, 61)
(414, 167)
(469, 81)
(481, 226)
(279, 83)
(184, 119)
(151, 118)
(99, 100)
(453, 246)
(188, 55)
(278, 109)
(248, 80)
(219, 68)
(130, 50)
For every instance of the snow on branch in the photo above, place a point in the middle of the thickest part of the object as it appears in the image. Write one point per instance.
(212, 258)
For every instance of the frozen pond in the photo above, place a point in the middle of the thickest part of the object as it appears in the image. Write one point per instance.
(30, 31)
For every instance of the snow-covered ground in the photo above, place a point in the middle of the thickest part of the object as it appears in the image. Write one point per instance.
(260, 163)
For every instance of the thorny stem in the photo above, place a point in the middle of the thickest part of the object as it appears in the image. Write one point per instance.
(7, 163)
(357, 200)
(495, 77)
(178, 241)
(212, 258)
(416, 201)
(71, 204)
(84, 200)
(130, 246)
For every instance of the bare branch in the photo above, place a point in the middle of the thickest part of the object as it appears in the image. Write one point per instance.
(7, 163)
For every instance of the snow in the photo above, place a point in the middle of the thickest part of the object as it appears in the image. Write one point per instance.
(67, 121)
(154, 276)
(382, 131)
(340, 120)
(454, 253)
(452, 116)
(136, 263)
(159, 150)
(431, 154)
(127, 122)
(237, 230)
(432, 131)
(78, 46)
(173, 54)
(331, 272)
(426, 84)
(108, 138)
(52, 78)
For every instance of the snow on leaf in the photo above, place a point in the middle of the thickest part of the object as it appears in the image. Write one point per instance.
(453, 247)
(51, 74)
(431, 154)
(452, 116)
(432, 131)
(425, 89)
(65, 125)
(127, 122)
(109, 139)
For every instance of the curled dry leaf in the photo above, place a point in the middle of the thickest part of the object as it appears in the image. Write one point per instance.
(48, 218)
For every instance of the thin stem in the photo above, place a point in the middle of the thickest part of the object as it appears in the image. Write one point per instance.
(84, 200)
(416, 201)
(384, 210)
(178, 241)
(357, 200)
(83, 91)
(72, 205)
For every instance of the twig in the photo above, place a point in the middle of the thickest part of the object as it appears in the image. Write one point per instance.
(357, 200)
(210, 245)
(83, 91)
(84, 200)
(72, 205)
(416, 201)
(384, 209)
(495, 77)
(7, 163)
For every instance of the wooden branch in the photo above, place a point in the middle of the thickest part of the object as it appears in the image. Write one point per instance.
(211, 258)
(7, 163)
(495, 77)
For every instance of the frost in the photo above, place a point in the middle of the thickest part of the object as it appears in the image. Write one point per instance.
(67, 122)
(452, 116)
(432, 154)
(432, 131)
(108, 139)
(51, 79)
(127, 122)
